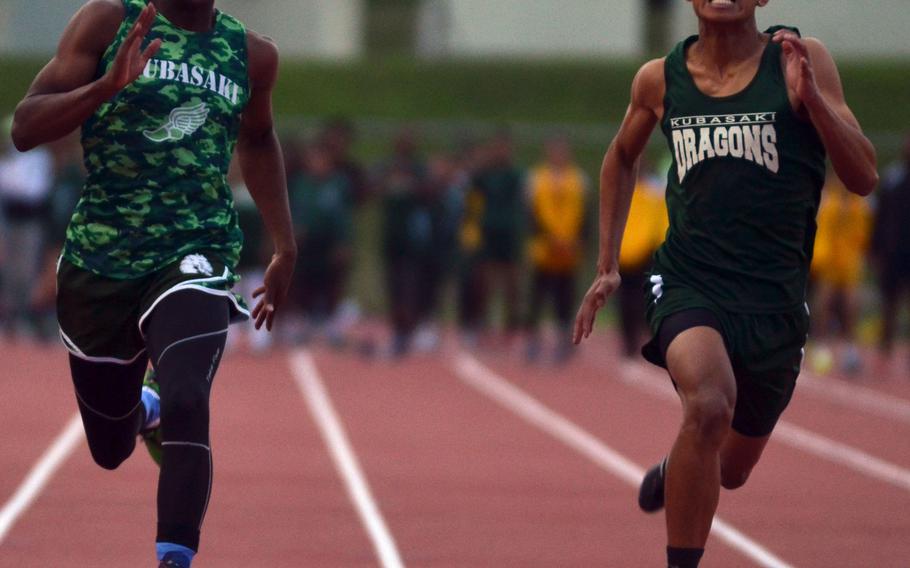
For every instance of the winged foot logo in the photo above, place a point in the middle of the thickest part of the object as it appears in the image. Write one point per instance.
(196, 264)
(183, 121)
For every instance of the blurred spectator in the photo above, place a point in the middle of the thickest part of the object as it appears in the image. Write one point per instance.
(557, 191)
(451, 175)
(891, 243)
(841, 243)
(645, 231)
(336, 137)
(497, 190)
(294, 150)
(254, 257)
(321, 208)
(466, 207)
(409, 237)
(443, 203)
(25, 185)
(69, 177)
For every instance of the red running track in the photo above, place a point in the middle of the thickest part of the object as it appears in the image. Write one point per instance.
(456, 478)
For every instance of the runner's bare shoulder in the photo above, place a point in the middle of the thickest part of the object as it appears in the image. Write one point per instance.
(95, 25)
(649, 86)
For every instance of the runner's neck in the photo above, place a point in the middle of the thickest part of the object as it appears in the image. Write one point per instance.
(191, 15)
(722, 47)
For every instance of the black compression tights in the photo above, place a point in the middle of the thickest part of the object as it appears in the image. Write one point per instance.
(185, 338)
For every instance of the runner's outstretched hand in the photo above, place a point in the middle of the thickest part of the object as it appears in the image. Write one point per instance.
(274, 289)
(603, 287)
(130, 60)
(799, 73)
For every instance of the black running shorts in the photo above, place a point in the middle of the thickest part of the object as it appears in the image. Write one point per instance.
(765, 350)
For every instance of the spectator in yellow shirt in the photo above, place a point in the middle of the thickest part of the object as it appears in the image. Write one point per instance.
(844, 228)
(645, 231)
(557, 192)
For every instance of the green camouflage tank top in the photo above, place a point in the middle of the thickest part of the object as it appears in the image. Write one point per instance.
(157, 154)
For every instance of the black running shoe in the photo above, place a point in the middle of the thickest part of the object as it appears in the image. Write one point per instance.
(651, 492)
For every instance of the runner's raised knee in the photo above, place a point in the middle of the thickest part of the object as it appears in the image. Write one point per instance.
(106, 457)
(708, 414)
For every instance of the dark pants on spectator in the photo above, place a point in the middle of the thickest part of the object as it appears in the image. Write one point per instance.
(470, 296)
(23, 244)
(894, 283)
(320, 280)
(412, 287)
(555, 287)
(507, 277)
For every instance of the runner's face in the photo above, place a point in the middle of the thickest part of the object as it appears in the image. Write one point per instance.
(726, 11)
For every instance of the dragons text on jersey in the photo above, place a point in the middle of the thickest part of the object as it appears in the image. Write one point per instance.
(742, 191)
(157, 154)
(749, 136)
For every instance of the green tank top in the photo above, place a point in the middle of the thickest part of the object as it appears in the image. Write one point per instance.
(742, 192)
(157, 154)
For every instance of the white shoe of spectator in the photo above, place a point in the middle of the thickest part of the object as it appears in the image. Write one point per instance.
(426, 339)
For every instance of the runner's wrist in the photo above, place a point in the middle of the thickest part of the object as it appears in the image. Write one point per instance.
(607, 266)
(813, 101)
(104, 88)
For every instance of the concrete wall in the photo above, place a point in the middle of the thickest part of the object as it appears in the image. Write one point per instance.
(850, 28)
(532, 28)
(33, 27)
(306, 28)
(312, 28)
(558, 28)
(538, 28)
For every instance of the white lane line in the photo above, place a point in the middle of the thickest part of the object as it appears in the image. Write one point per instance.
(476, 375)
(306, 375)
(843, 454)
(790, 434)
(856, 396)
(40, 474)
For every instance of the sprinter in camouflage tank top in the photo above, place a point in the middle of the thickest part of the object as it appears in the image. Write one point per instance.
(749, 117)
(164, 92)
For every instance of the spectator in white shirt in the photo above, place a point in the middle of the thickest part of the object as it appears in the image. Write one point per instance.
(25, 186)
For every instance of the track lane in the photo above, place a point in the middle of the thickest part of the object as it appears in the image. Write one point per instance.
(731, 545)
(464, 482)
(322, 409)
(825, 501)
(276, 501)
(37, 403)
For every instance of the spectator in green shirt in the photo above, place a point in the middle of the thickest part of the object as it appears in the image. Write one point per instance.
(498, 190)
(321, 204)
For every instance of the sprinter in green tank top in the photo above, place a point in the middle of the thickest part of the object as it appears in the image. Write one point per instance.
(164, 92)
(749, 118)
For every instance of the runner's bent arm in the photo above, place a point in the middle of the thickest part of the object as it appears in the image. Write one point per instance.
(617, 182)
(813, 75)
(65, 93)
(263, 171)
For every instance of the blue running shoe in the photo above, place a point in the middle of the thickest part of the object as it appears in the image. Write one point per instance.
(175, 560)
(151, 430)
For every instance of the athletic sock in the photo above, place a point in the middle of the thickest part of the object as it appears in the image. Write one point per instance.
(684, 557)
(170, 549)
(152, 404)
